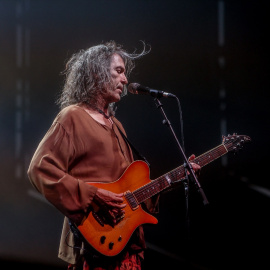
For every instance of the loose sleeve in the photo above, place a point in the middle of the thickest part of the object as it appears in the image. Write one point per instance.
(50, 174)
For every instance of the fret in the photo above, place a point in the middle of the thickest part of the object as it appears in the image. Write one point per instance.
(210, 155)
(151, 189)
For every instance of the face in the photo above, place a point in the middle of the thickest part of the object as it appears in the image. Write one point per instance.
(117, 69)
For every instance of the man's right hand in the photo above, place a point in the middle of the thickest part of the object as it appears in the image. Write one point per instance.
(111, 205)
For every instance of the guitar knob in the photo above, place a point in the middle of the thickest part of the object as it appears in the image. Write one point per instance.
(102, 239)
(111, 245)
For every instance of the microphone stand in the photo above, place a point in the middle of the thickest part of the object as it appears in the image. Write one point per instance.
(187, 164)
(188, 168)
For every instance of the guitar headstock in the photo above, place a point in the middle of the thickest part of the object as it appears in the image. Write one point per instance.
(235, 142)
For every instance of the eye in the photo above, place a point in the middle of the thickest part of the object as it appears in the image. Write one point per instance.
(120, 70)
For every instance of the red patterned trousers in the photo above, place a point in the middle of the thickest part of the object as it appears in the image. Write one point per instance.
(127, 262)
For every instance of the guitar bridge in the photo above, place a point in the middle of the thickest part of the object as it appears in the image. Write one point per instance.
(132, 201)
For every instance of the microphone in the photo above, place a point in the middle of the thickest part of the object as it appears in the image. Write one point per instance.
(138, 89)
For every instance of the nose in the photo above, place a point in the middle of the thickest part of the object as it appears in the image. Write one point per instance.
(124, 79)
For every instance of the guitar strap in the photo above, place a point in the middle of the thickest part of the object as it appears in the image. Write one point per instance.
(140, 156)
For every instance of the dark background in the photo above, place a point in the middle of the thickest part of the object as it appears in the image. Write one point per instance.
(212, 55)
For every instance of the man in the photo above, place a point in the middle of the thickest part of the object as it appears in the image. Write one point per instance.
(85, 144)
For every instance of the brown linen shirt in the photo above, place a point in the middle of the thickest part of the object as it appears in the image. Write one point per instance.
(77, 149)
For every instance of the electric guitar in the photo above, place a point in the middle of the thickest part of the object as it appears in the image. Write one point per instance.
(110, 239)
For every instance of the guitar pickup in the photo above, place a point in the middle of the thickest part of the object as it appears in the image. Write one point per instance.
(131, 199)
(98, 219)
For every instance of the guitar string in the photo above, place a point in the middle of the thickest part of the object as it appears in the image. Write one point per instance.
(215, 153)
(140, 193)
(172, 174)
(154, 186)
(149, 190)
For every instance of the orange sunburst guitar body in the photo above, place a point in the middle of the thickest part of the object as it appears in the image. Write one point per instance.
(110, 240)
(136, 185)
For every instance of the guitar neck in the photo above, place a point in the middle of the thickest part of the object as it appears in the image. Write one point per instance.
(164, 181)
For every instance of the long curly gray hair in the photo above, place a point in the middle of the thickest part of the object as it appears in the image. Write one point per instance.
(88, 73)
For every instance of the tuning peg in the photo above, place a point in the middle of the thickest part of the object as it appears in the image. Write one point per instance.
(223, 138)
(239, 146)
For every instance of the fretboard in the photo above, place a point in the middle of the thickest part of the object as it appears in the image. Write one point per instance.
(164, 181)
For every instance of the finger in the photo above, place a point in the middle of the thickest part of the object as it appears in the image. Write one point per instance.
(112, 216)
(119, 194)
(118, 212)
(191, 157)
(195, 166)
(116, 215)
(114, 211)
(117, 205)
(106, 198)
(118, 198)
(114, 198)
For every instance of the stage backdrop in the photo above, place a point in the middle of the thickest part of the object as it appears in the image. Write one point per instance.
(210, 54)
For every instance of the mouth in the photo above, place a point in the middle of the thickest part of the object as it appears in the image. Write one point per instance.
(120, 88)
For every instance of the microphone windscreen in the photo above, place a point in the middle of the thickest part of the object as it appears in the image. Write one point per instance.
(132, 88)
